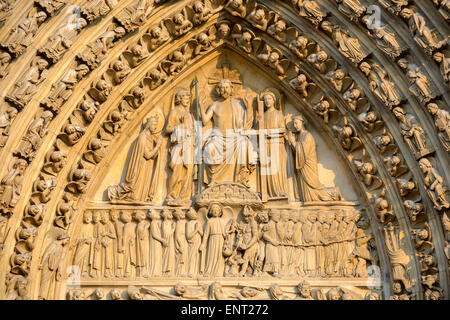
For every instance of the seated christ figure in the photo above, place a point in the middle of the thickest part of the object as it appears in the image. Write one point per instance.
(229, 153)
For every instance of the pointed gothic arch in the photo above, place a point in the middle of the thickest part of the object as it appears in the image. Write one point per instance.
(16, 248)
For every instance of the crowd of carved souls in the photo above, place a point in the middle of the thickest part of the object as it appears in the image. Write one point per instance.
(253, 208)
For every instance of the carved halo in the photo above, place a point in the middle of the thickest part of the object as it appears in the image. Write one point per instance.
(277, 94)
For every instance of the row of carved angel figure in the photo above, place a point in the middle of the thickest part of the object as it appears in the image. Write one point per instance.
(383, 144)
(52, 51)
(23, 34)
(421, 29)
(27, 85)
(289, 243)
(71, 133)
(382, 87)
(278, 28)
(216, 291)
(87, 60)
(419, 26)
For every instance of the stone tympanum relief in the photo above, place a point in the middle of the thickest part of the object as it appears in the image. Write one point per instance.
(224, 149)
(223, 181)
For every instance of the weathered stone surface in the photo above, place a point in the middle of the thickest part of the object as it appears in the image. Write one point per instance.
(224, 149)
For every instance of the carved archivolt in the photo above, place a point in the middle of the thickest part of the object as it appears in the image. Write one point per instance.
(376, 85)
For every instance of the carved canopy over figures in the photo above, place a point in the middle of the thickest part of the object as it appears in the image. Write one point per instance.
(229, 149)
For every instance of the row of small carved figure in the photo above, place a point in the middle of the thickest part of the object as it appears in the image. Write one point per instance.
(289, 243)
(71, 133)
(215, 291)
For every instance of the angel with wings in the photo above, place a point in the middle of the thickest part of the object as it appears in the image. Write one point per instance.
(101, 91)
(156, 77)
(202, 11)
(434, 184)
(259, 17)
(87, 109)
(299, 46)
(347, 136)
(177, 60)
(383, 208)
(300, 84)
(370, 120)
(422, 239)
(204, 41)
(273, 57)
(135, 98)
(158, 36)
(179, 25)
(5, 124)
(338, 79)
(380, 84)
(278, 28)
(72, 133)
(236, 8)
(351, 8)
(310, 10)
(136, 55)
(395, 166)
(116, 120)
(33, 213)
(385, 142)
(245, 39)
(367, 170)
(95, 9)
(96, 151)
(79, 178)
(325, 108)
